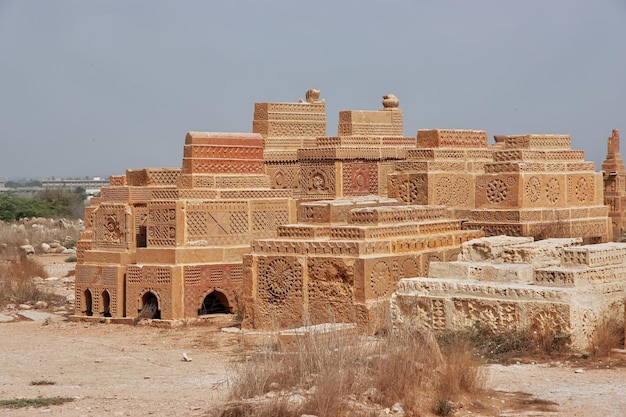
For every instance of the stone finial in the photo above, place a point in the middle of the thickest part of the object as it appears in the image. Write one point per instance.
(390, 101)
(312, 96)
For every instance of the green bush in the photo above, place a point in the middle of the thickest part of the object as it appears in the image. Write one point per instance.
(46, 203)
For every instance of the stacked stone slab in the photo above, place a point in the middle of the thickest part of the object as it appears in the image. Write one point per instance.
(537, 186)
(341, 262)
(442, 170)
(553, 286)
(614, 176)
(287, 127)
(177, 236)
(356, 161)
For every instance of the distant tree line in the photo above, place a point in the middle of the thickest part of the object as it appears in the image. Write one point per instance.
(22, 184)
(54, 203)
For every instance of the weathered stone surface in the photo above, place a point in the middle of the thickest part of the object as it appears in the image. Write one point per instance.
(559, 288)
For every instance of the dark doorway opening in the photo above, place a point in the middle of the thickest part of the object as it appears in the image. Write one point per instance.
(150, 307)
(106, 304)
(214, 303)
(88, 303)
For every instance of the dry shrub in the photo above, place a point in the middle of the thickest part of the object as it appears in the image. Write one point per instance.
(404, 367)
(333, 373)
(460, 372)
(17, 285)
(609, 334)
(503, 345)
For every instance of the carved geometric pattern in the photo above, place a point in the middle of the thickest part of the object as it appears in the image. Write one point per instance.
(380, 278)
(409, 191)
(582, 189)
(443, 191)
(196, 224)
(533, 189)
(438, 314)
(110, 226)
(410, 269)
(318, 180)
(109, 276)
(318, 183)
(461, 190)
(588, 322)
(553, 191)
(239, 222)
(360, 179)
(192, 275)
(278, 278)
(218, 223)
(431, 258)
(497, 191)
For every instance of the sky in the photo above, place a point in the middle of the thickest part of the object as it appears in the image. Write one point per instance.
(92, 88)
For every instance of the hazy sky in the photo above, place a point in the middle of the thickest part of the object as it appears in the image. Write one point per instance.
(96, 87)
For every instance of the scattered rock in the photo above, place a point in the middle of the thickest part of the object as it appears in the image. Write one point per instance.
(45, 248)
(578, 371)
(68, 251)
(28, 249)
(231, 329)
(186, 358)
(10, 306)
(41, 305)
(35, 315)
(25, 307)
(6, 319)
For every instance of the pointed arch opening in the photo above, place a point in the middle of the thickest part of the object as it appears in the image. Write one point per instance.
(149, 306)
(215, 302)
(88, 302)
(106, 303)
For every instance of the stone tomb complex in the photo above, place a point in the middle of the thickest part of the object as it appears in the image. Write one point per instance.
(341, 261)
(529, 185)
(554, 286)
(174, 239)
(356, 162)
(307, 228)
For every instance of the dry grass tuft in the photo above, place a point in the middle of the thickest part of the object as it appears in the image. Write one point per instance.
(609, 334)
(342, 374)
(460, 372)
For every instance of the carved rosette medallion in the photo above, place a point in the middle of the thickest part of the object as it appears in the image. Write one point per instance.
(497, 191)
(553, 190)
(409, 268)
(533, 189)
(380, 279)
(279, 277)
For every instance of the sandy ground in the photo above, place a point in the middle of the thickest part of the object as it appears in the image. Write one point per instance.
(114, 370)
(120, 370)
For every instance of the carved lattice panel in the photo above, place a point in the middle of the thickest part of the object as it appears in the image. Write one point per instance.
(110, 226)
(161, 225)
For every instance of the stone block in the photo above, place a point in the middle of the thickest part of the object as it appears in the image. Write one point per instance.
(489, 248)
